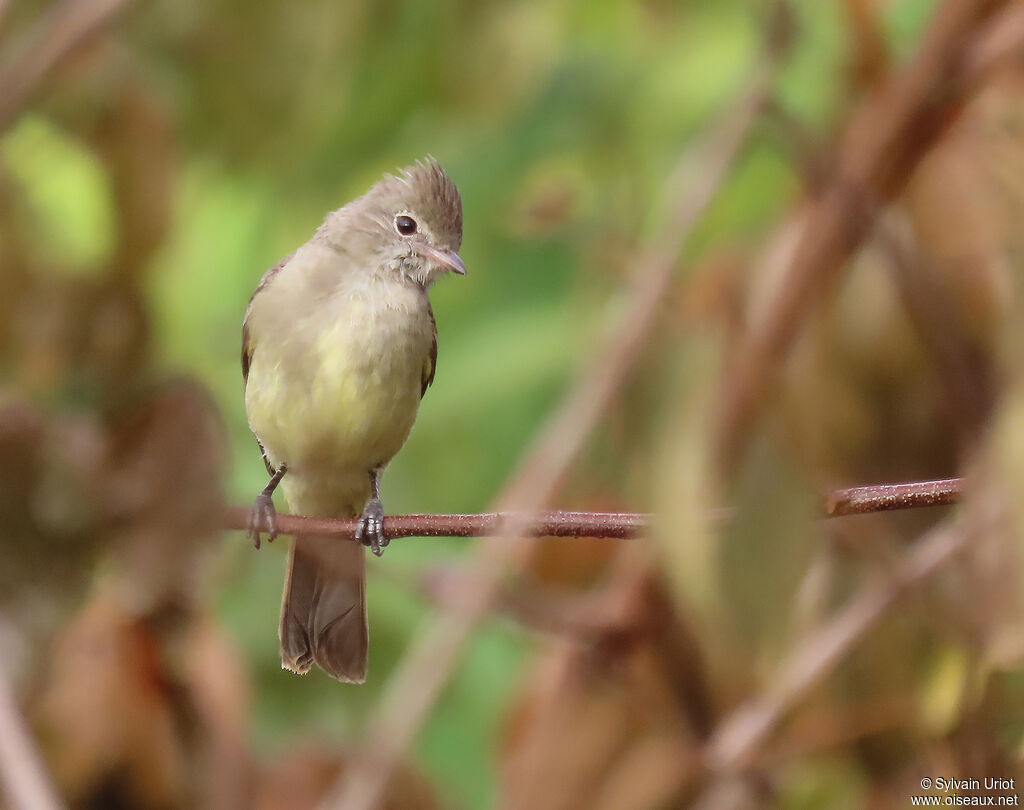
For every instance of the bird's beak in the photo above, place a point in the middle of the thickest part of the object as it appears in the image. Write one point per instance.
(448, 259)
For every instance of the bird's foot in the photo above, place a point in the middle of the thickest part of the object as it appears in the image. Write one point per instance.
(370, 531)
(262, 518)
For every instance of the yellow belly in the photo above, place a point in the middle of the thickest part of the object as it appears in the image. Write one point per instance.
(337, 400)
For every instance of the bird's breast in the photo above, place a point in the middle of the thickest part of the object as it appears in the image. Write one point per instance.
(338, 396)
(371, 365)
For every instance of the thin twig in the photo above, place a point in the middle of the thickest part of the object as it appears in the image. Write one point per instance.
(26, 785)
(487, 524)
(64, 27)
(429, 664)
(608, 525)
(889, 497)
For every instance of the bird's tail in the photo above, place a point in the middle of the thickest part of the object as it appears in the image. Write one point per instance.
(323, 613)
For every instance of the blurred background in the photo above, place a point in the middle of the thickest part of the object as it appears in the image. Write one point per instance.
(841, 311)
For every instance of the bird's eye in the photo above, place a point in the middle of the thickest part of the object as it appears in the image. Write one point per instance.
(405, 225)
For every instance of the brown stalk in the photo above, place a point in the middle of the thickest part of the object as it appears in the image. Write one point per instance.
(889, 497)
(487, 524)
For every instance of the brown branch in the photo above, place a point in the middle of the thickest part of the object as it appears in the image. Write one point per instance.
(64, 27)
(487, 524)
(25, 783)
(889, 497)
(883, 143)
(607, 525)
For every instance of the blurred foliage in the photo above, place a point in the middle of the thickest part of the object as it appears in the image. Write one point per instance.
(173, 159)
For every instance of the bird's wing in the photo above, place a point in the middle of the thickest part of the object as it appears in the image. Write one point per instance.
(247, 343)
(431, 362)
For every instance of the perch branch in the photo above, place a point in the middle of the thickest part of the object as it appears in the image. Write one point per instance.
(488, 524)
(607, 525)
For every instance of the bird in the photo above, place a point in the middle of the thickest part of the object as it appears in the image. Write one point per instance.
(339, 345)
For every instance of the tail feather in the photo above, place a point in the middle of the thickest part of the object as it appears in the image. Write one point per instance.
(323, 614)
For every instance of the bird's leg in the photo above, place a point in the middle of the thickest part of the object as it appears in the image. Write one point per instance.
(371, 525)
(262, 516)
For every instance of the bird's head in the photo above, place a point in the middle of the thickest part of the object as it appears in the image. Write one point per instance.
(410, 223)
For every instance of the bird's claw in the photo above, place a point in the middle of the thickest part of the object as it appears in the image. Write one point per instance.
(262, 518)
(370, 531)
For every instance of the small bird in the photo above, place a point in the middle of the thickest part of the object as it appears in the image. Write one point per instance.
(339, 345)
